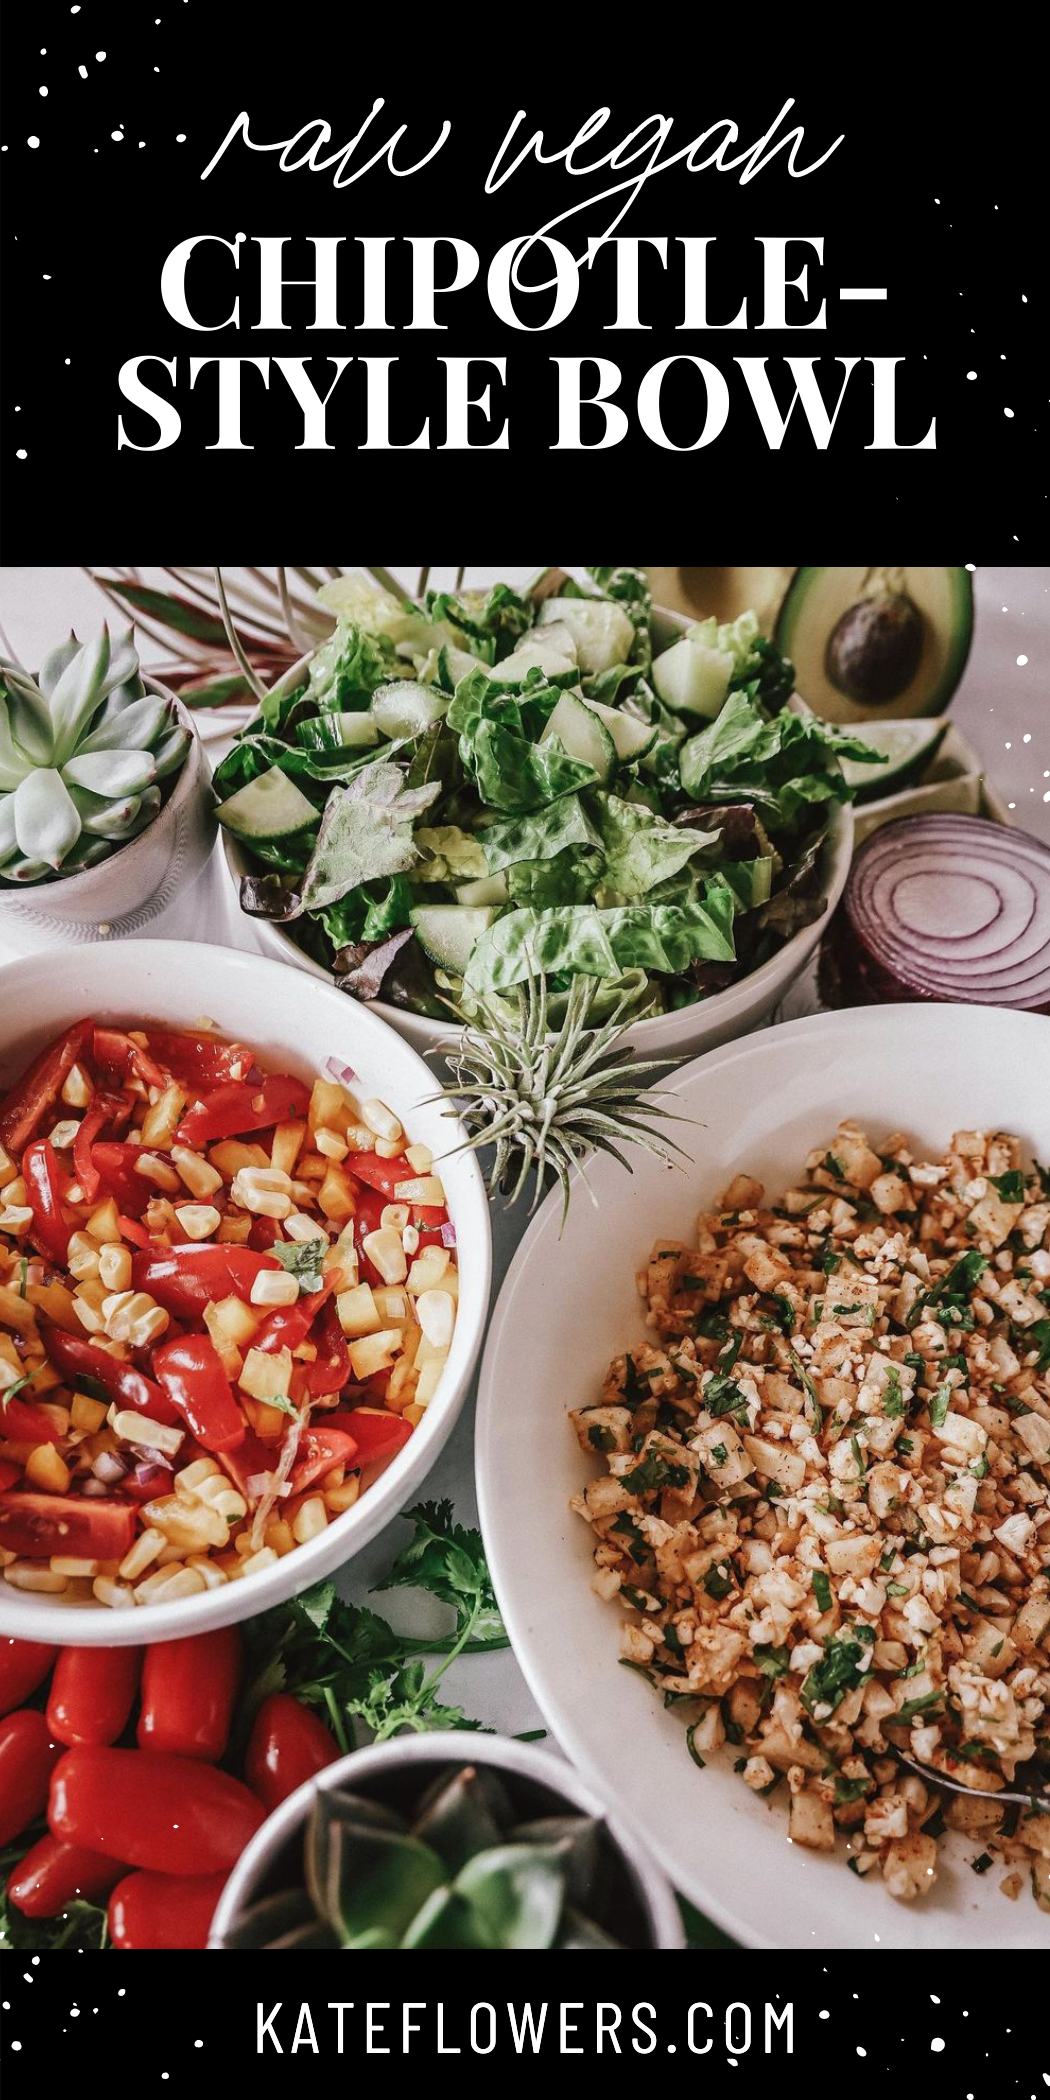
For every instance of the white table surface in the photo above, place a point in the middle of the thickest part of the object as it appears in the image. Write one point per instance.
(1002, 706)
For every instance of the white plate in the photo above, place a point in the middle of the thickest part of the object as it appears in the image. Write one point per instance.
(569, 1305)
(294, 1025)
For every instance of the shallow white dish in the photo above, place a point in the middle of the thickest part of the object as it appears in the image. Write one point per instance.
(569, 1305)
(294, 1025)
(683, 1033)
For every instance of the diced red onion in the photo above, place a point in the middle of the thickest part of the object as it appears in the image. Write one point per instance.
(448, 1234)
(151, 1478)
(344, 1075)
(945, 907)
(109, 1467)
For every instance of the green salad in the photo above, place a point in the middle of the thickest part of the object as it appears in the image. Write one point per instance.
(462, 791)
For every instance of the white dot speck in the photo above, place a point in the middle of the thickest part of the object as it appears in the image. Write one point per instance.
(82, 70)
(1027, 737)
(824, 2016)
(32, 142)
(20, 455)
(1023, 660)
(971, 375)
(180, 138)
(860, 2051)
(1008, 412)
(42, 91)
(120, 1994)
(198, 2045)
(16, 2045)
(936, 2045)
(100, 55)
(118, 136)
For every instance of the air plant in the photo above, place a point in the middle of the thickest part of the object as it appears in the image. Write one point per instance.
(84, 753)
(457, 1871)
(542, 1101)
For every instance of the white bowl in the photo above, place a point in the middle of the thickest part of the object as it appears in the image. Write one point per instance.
(294, 1025)
(539, 1784)
(147, 872)
(683, 1033)
(569, 1304)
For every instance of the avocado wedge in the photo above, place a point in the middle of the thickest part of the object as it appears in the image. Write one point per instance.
(877, 643)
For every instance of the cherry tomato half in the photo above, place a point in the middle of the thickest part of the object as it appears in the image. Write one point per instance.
(36, 1526)
(190, 1370)
(23, 1665)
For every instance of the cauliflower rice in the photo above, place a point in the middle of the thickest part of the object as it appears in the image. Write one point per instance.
(827, 1497)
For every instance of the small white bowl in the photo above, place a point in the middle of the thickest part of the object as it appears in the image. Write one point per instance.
(689, 1029)
(167, 857)
(294, 1025)
(539, 1785)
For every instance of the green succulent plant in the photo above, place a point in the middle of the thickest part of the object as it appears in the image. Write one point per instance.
(84, 755)
(457, 1871)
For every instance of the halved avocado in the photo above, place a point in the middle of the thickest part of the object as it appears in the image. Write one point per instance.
(724, 592)
(877, 643)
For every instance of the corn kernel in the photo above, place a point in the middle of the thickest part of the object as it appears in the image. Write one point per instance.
(178, 1582)
(231, 1155)
(114, 1266)
(339, 1499)
(436, 1314)
(90, 1320)
(256, 1562)
(191, 1526)
(33, 1575)
(385, 1252)
(330, 1144)
(420, 1158)
(426, 1188)
(230, 1322)
(375, 1352)
(392, 1306)
(162, 1120)
(327, 1105)
(299, 1226)
(311, 1518)
(138, 1429)
(156, 1171)
(86, 1415)
(63, 1135)
(394, 1217)
(76, 1569)
(15, 1218)
(380, 1119)
(236, 1230)
(212, 1576)
(198, 1220)
(336, 1195)
(357, 1310)
(193, 1477)
(267, 1422)
(264, 1190)
(141, 1554)
(115, 1594)
(77, 1088)
(427, 1382)
(410, 1239)
(134, 1317)
(389, 1148)
(82, 1255)
(280, 1537)
(274, 1287)
(428, 1271)
(104, 1222)
(194, 1172)
(221, 1495)
(46, 1469)
(287, 1145)
(267, 1373)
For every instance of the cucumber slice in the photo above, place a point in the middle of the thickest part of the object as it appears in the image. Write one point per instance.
(600, 628)
(271, 807)
(338, 732)
(908, 747)
(488, 889)
(582, 734)
(632, 737)
(447, 665)
(693, 677)
(448, 932)
(406, 708)
(547, 649)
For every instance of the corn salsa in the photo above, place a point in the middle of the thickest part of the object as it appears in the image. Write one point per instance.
(225, 1297)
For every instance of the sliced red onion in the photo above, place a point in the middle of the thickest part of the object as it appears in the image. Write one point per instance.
(946, 907)
(344, 1075)
(260, 1484)
(448, 1234)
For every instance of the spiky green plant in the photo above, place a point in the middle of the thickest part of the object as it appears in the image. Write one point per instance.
(460, 1870)
(84, 751)
(543, 1100)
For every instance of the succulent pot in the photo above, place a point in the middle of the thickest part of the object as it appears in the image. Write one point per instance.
(396, 1772)
(136, 880)
(683, 1033)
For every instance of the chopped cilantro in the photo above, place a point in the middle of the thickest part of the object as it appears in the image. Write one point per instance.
(601, 1437)
(829, 1260)
(912, 1707)
(722, 1396)
(844, 1665)
(773, 1662)
(939, 1405)
(897, 1589)
(1009, 1187)
(833, 1166)
(692, 1749)
(656, 1471)
(719, 1454)
(634, 1392)
(719, 1580)
(981, 1864)
(302, 1259)
(822, 1589)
